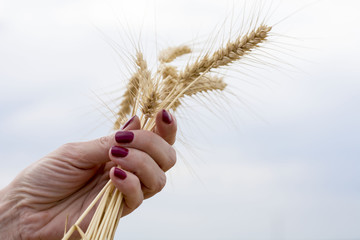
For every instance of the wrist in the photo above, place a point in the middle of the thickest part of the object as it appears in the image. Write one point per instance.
(8, 216)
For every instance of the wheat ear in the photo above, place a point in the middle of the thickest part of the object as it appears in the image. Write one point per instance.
(204, 84)
(224, 56)
(169, 54)
(129, 97)
(128, 102)
(233, 51)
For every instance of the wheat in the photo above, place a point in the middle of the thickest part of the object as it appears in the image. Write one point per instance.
(170, 79)
(204, 84)
(132, 90)
(168, 71)
(224, 56)
(149, 94)
(150, 103)
(169, 54)
(128, 101)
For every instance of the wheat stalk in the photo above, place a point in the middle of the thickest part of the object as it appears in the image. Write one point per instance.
(149, 94)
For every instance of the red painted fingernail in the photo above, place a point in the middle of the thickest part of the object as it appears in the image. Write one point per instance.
(128, 122)
(119, 151)
(124, 137)
(166, 117)
(119, 173)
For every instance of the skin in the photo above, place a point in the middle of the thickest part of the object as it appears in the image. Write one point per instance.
(63, 183)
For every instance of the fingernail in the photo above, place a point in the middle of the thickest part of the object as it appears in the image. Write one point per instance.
(166, 117)
(119, 173)
(119, 151)
(128, 122)
(124, 137)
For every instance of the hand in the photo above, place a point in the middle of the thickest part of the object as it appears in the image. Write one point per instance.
(63, 183)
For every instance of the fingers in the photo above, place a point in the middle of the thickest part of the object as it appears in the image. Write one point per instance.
(127, 183)
(146, 155)
(166, 126)
(85, 155)
(152, 144)
(132, 123)
(151, 176)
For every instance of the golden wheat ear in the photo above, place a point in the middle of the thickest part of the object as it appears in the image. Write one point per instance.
(168, 71)
(141, 79)
(128, 100)
(193, 73)
(169, 54)
(204, 84)
(232, 52)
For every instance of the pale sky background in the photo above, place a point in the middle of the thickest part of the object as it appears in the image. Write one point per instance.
(288, 168)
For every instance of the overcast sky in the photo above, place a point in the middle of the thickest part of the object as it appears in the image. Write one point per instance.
(282, 165)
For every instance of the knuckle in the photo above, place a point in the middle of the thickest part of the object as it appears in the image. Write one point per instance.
(161, 182)
(139, 201)
(104, 141)
(72, 150)
(133, 186)
(141, 164)
(158, 184)
(173, 137)
(69, 146)
(149, 143)
(172, 157)
(149, 139)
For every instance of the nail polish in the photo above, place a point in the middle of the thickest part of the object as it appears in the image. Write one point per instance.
(119, 151)
(124, 137)
(166, 117)
(119, 173)
(128, 122)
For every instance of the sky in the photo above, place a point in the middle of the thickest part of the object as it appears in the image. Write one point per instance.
(280, 161)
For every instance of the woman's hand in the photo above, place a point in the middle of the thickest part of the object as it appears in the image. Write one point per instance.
(62, 184)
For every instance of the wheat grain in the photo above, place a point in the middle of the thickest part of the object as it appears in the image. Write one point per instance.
(150, 102)
(168, 71)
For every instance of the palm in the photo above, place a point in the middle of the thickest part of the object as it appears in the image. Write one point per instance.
(60, 190)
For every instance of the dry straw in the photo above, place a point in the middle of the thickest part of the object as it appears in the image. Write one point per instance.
(148, 93)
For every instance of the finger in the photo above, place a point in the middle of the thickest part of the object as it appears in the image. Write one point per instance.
(130, 186)
(151, 143)
(132, 123)
(96, 151)
(85, 155)
(151, 176)
(166, 126)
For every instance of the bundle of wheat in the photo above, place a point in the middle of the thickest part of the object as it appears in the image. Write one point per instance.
(148, 93)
